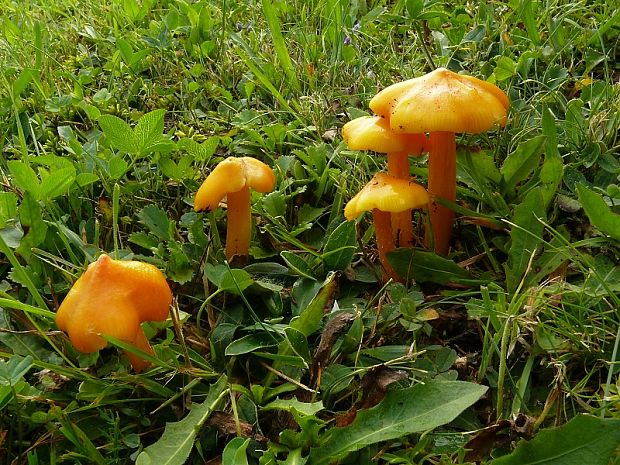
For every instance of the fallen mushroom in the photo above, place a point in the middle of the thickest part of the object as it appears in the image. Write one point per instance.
(373, 133)
(385, 194)
(233, 178)
(112, 298)
(442, 103)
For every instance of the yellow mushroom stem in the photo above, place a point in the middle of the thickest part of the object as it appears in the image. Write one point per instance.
(385, 242)
(398, 166)
(239, 229)
(441, 184)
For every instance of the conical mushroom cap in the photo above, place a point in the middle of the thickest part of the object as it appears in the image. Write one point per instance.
(388, 194)
(232, 175)
(374, 133)
(442, 101)
(113, 297)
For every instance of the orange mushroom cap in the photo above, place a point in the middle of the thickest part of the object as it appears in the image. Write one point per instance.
(232, 175)
(442, 101)
(113, 297)
(374, 133)
(387, 194)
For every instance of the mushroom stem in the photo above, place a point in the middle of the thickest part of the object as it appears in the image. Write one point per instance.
(398, 166)
(385, 242)
(238, 231)
(441, 184)
(142, 343)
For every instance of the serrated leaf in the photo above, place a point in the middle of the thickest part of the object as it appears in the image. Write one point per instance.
(175, 444)
(119, 133)
(520, 163)
(148, 131)
(599, 213)
(583, 440)
(526, 236)
(234, 452)
(401, 412)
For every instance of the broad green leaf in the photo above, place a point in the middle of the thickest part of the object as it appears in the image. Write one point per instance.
(297, 264)
(521, 163)
(583, 440)
(599, 213)
(24, 177)
(226, 279)
(119, 133)
(157, 221)
(309, 320)
(22, 81)
(8, 207)
(402, 412)
(251, 342)
(234, 452)
(425, 266)
(414, 8)
(177, 441)
(526, 236)
(12, 370)
(148, 132)
(340, 247)
(552, 170)
(57, 183)
(303, 408)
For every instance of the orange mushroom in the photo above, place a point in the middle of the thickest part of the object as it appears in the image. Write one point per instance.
(112, 298)
(386, 194)
(442, 103)
(233, 178)
(373, 133)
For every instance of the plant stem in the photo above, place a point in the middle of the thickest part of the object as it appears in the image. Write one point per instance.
(441, 184)
(385, 242)
(398, 167)
(238, 231)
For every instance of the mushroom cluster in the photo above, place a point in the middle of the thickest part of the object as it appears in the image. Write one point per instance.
(112, 298)
(440, 103)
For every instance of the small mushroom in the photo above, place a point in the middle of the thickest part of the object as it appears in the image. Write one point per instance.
(233, 178)
(442, 103)
(373, 133)
(112, 298)
(385, 194)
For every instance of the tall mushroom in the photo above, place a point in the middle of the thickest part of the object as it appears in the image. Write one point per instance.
(373, 133)
(442, 103)
(233, 178)
(386, 194)
(112, 298)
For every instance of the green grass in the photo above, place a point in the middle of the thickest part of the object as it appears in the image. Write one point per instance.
(277, 356)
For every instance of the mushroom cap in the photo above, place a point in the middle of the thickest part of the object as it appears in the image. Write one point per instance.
(442, 101)
(113, 297)
(388, 194)
(374, 133)
(232, 175)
